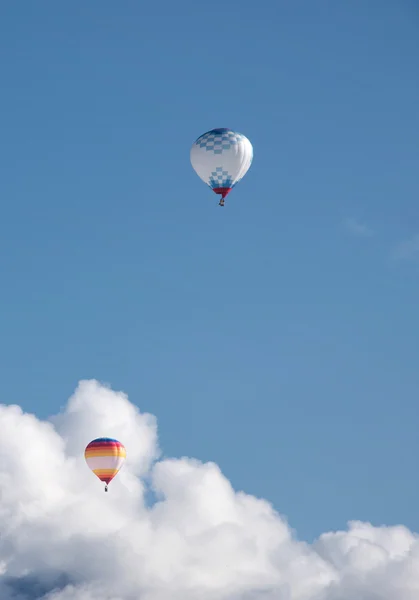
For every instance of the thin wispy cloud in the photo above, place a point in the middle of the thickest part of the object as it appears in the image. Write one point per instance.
(357, 228)
(408, 249)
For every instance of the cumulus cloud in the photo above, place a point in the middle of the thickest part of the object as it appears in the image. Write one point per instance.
(358, 229)
(63, 538)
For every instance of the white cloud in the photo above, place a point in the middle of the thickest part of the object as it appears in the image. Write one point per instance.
(358, 229)
(63, 538)
(408, 250)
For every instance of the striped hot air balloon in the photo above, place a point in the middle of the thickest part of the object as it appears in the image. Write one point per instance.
(105, 456)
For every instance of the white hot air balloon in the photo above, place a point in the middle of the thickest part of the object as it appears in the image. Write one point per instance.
(221, 158)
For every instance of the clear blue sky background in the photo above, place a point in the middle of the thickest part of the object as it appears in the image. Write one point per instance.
(266, 336)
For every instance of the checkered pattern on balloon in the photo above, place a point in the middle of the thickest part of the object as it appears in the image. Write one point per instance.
(216, 142)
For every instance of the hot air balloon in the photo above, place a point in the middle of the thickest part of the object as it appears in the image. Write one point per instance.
(105, 456)
(221, 158)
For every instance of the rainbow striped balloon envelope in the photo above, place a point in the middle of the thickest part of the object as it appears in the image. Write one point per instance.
(105, 456)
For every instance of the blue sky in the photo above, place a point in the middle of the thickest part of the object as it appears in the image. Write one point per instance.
(277, 337)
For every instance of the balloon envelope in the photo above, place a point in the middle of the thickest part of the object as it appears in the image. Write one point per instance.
(105, 456)
(221, 158)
